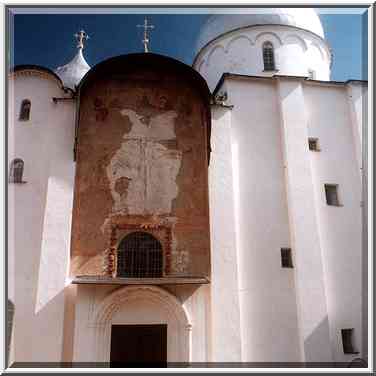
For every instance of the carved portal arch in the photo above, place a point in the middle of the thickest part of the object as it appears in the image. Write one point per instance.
(154, 305)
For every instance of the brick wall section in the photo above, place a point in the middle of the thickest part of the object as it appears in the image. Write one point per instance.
(142, 164)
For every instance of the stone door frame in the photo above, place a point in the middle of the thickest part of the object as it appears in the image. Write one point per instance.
(179, 337)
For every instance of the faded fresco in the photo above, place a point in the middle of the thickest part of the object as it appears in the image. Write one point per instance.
(142, 173)
(142, 164)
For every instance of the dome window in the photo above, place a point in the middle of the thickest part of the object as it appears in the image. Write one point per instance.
(268, 56)
(25, 110)
(16, 171)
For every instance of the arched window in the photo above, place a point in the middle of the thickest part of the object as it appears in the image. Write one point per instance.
(139, 256)
(268, 56)
(25, 110)
(16, 171)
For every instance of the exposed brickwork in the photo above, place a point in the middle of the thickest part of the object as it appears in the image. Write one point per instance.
(142, 159)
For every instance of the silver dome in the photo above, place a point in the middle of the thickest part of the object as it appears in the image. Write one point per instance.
(72, 73)
(217, 25)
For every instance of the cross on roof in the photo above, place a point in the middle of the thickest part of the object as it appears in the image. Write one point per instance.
(146, 40)
(81, 36)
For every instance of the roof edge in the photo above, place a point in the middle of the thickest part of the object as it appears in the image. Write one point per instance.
(277, 76)
(194, 73)
(21, 67)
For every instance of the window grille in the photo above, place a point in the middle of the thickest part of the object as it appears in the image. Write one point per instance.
(347, 341)
(331, 193)
(16, 171)
(268, 56)
(139, 256)
(313, 144)
(286, 258)
(25, 110)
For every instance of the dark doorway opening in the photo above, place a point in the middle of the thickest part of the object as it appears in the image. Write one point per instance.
(138, 346)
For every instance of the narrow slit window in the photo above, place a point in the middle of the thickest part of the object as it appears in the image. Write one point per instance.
(286, 258)
(16, 171)
(268, 56)
(348, 341)
(331, 193)
(313, 144)
(25, 110)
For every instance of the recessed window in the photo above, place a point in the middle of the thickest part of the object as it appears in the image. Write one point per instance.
(286, 258)
(16, 171)
(348, 341)
(140, 256)
(268, 56)
(331, 194)
(313, 144)
(25, 110)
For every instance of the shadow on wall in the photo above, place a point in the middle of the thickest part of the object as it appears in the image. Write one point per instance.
(48, 323)
(315, 344)
(365, 228)
(358, 363)
(182, 292)
(10, 316)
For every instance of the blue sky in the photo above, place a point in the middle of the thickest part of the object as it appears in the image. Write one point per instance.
(47, 39)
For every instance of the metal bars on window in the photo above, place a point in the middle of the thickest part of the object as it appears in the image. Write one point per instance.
(25, 110)
(268, 56)
(16, 171)
(331, 194)
(313, 144)
(286, 258)
(139, 256)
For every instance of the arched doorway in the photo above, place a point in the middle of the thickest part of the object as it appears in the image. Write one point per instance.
(140, 255)
(143, 306)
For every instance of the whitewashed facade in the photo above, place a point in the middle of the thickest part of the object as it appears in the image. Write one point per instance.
(279, 201)
(41, 206)
(266, 192)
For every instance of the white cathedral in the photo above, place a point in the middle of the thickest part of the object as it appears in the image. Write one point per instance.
(164, 214)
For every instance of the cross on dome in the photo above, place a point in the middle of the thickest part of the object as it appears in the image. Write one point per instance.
(81, 36)
(72, 73)
(146, 40)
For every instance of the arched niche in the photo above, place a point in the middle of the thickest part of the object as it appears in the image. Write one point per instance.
(132, 305)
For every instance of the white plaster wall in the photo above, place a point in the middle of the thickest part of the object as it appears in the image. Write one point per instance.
(268, 312)
(184, 342)
(40, 214)
(11, 227)
(197, 302)
(304, 224)
(357, 94)
(331, 121)
(240, 51)
(225, 309)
